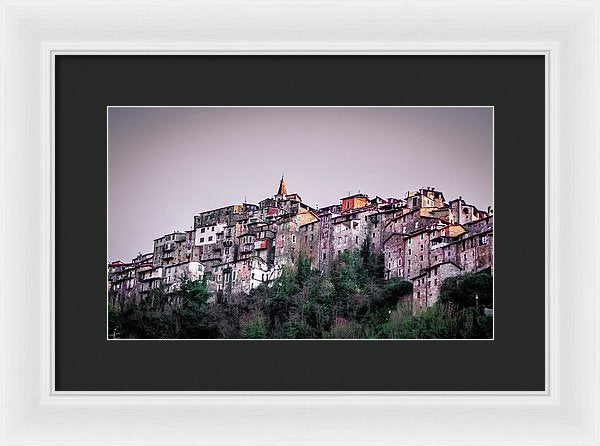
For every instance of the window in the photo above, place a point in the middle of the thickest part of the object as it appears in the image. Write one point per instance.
(357, 239)
(324, 256)
(373, 236)
(421, 257)
(483, 240)
(416, 225)
(422, 236)
(410, 241)
(201, 239)
(293, 239)
(210, 238)
(421, 247)
(409, 251)
(202, 230)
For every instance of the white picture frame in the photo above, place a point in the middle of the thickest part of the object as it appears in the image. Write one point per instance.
(566, 32)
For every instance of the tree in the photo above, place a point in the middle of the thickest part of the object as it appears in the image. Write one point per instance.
(468, 290)
(352, 300)
(345, 329)
(114, 320)
(372, 267)
(254, 327)
(303, 270)
(191, 316)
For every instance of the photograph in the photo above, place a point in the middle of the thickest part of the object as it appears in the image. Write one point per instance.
(300, 223)
(249, 223)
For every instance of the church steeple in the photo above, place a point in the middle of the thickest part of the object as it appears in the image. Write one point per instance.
(282, 190)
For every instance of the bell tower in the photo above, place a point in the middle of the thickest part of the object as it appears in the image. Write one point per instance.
(282, 191)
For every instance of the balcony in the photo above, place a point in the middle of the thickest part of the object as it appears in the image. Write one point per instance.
(168, 255)
(144, 267)
(246, 248)
(156, 275)
(170, 246)
(260, 244)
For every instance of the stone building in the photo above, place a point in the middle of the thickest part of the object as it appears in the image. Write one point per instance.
(239, 247)
(427, 284)
(309, 241)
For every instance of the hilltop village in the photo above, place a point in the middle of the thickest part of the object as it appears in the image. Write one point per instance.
(237, 248)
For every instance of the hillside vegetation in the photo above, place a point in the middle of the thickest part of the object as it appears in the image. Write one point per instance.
(352, 301)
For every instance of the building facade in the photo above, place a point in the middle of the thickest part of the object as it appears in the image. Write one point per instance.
(237, 248)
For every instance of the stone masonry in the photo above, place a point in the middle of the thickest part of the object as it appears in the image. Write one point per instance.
(423, 239)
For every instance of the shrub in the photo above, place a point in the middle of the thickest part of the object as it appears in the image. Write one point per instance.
(345, 329)
(254, 327)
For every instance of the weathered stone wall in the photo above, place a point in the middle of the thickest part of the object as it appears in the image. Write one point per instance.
(240, 246)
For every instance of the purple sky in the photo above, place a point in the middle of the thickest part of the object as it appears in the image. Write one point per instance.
(167, 164)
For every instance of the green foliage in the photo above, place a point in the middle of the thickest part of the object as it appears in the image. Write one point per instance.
(345, 329)
(191, 316)
(437, 322)
(303, 270)
(254, 328)
(396, 289)
(114, 321)
(462, 290)
(350, 301)
(295, 330)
